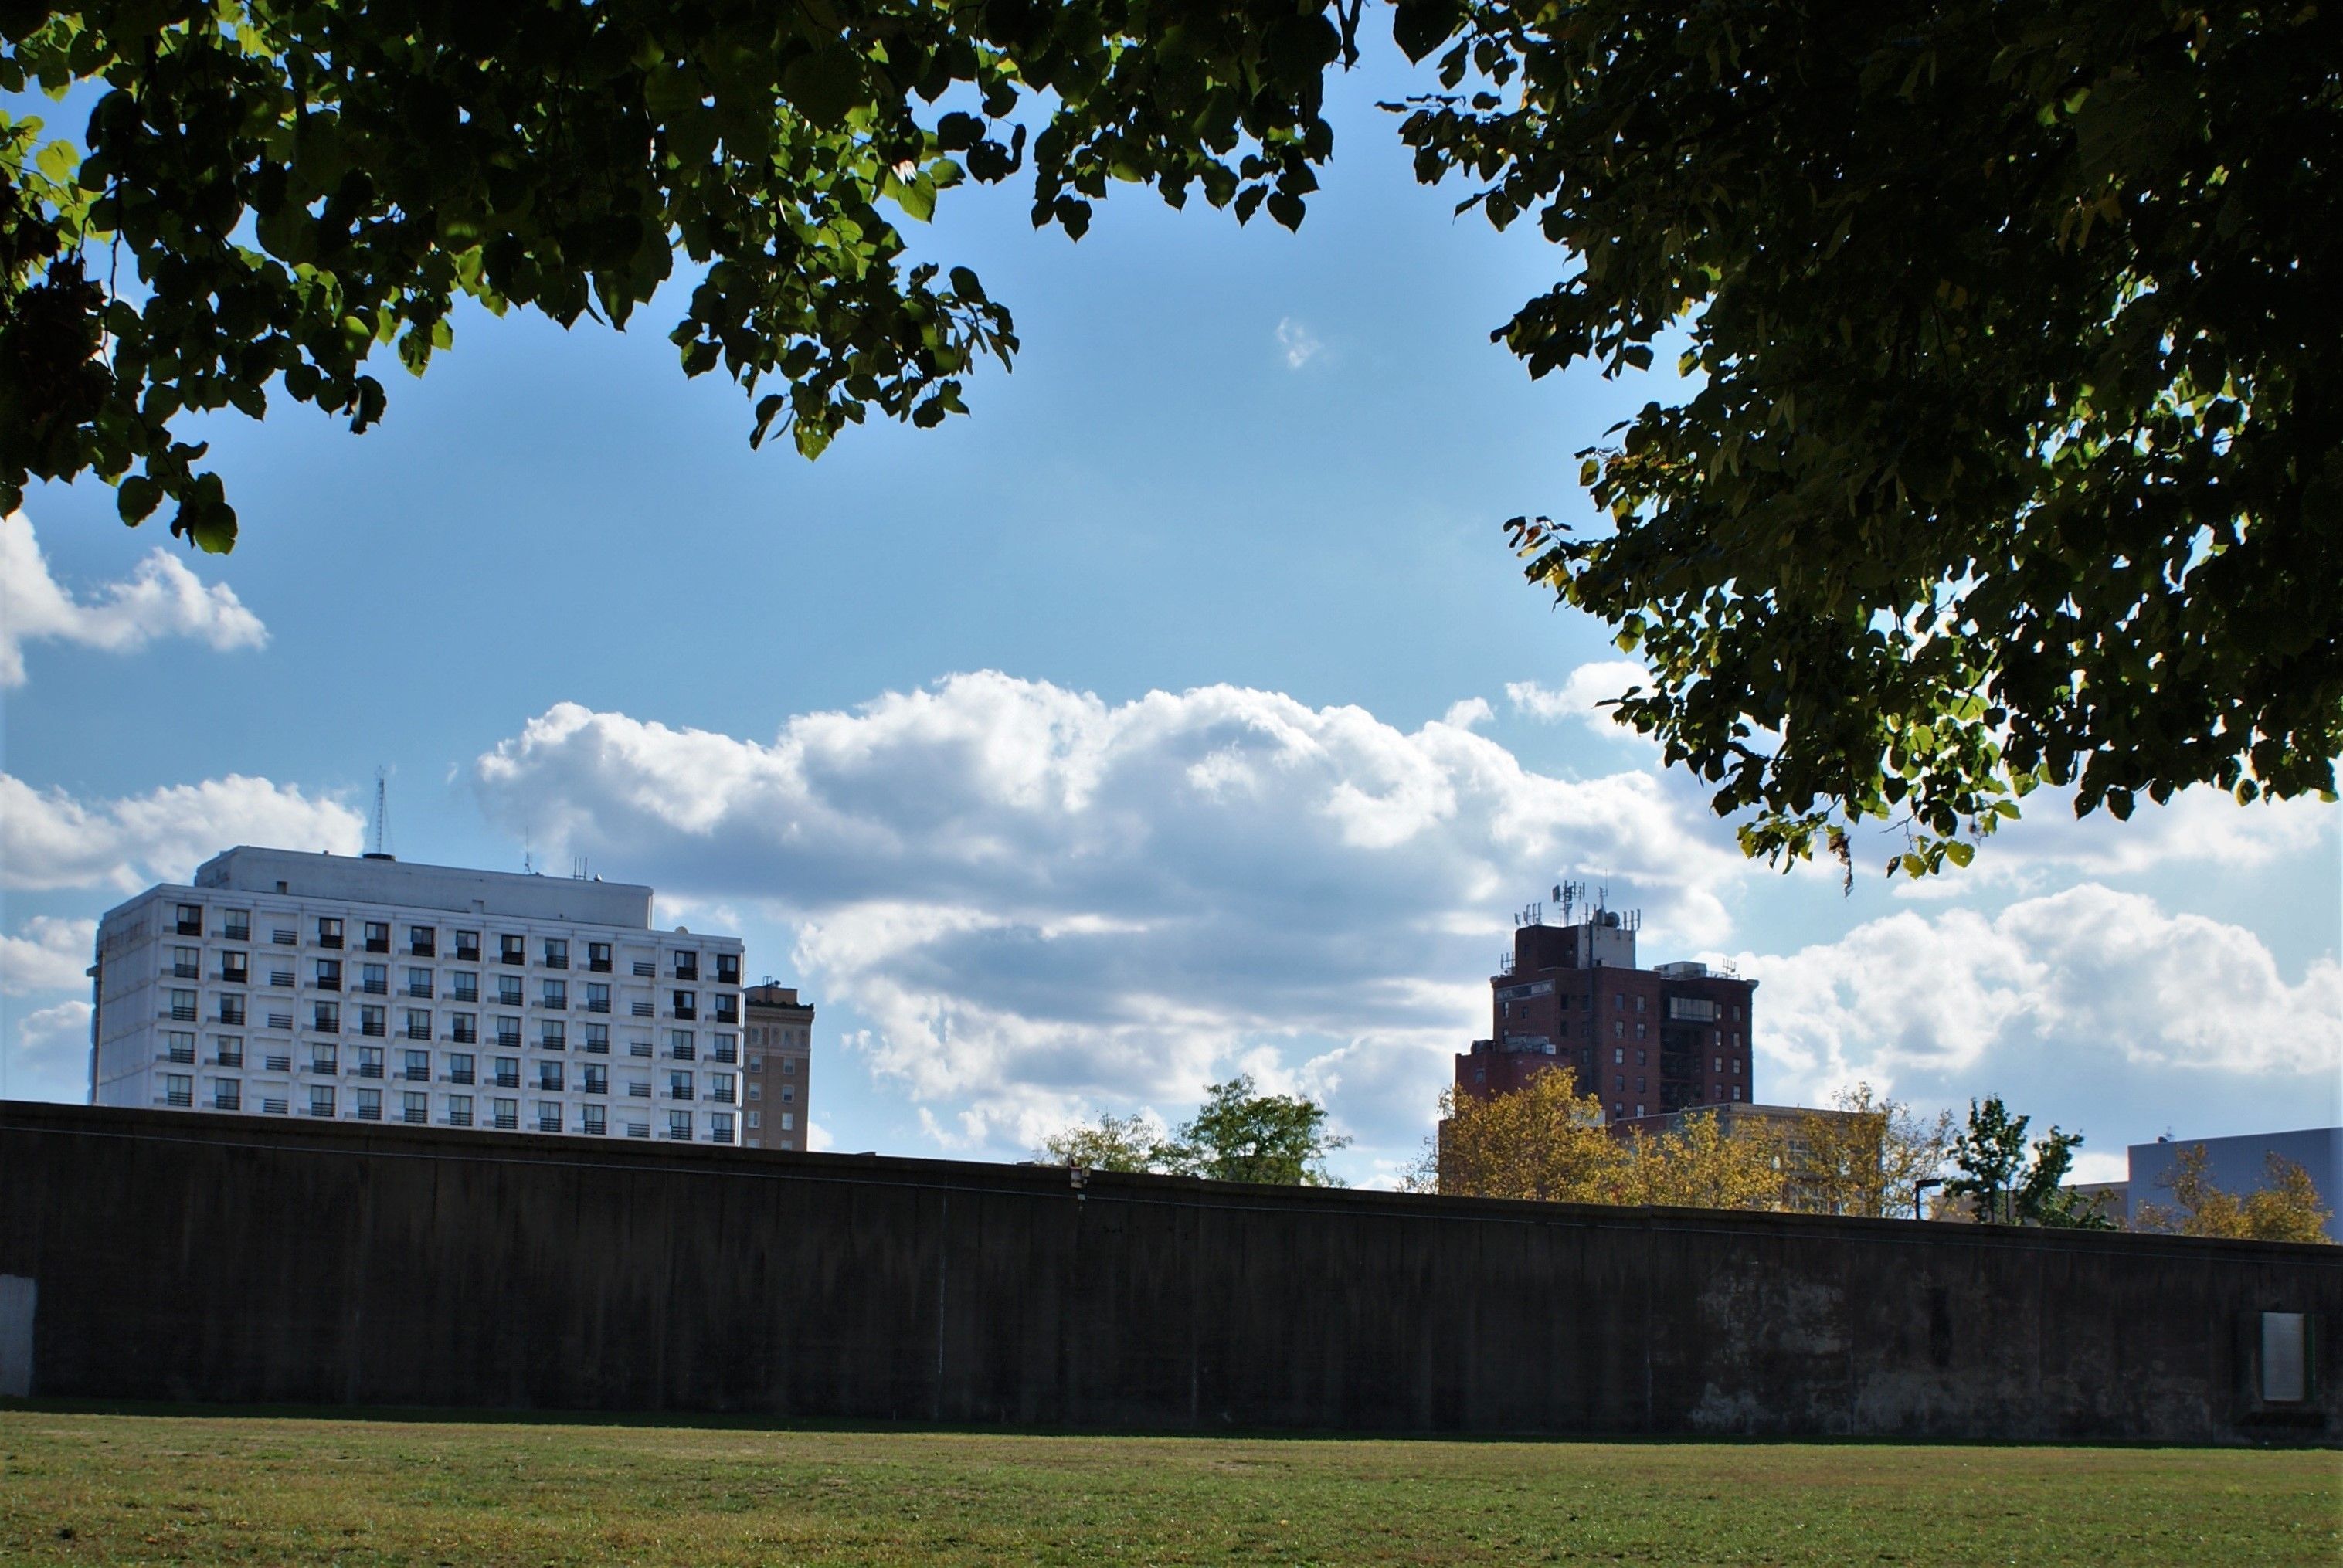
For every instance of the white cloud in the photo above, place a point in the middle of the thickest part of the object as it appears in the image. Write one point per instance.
(1297, 343)
(1046, 905)
(2205, 826)
(52, 955)
(160, 598)
(1581, 694)
(2092, 999)
(49, 839)
(48, 1059)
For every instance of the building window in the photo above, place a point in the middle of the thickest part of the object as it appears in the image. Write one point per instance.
(598, 1039)
(321, 1100)
(597, 995)
(326, 974)
(509, 1033)
(507, 1071)
(418, 1068)
(687, 1004)
(369, 1104)
(459, 1067)
(756, 1091)
(719, 1126)
(598, 957)
(549, 1116)
(227, 1095)
(552, 1035)
(789, 1093)
(557, 953)
(678, 1086)
(512, 950)
(236, 925)
(191, 921)
(459, 1109)
(181, 1006)
(557, 993)
(374, 979)
(727, 969)
(423, 941)
(369, 1061)
(419, 982)
(679, 1046)
(1639, 1089)
(371, 1021)
(464, 985)
(186, 963)
(178, 1046)
(231, 1009)
(178, 1089)
(687, 966)
(415, 1107)
(467, 947)
(1639, 1111)
(228, 1050)
(789, 1065)
(329, 931)
(678, 1126)
(725, 1047)
(1641, 1057)
(1618, 1031)
(506, 1115)
(789, 1121)
(549, 1077)
(591, 1120)
(463, 1028)
(325, 1017)
(597, 1080)
(325, 1058)
(752, 1121)
(236, 968)
(378, 936)
(1736, 1067)
(418, 1023)
(1639, 1031)
(509, 991)
(720, 1088)
(1618, 1056)
(1737, 1092)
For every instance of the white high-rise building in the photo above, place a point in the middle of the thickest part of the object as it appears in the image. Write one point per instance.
(364, 990)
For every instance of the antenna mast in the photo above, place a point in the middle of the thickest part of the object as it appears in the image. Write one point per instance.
(379, 849)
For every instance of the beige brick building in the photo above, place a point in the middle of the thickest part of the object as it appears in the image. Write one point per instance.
(777, 1070)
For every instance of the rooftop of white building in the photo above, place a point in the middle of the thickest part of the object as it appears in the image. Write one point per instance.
(373, 880)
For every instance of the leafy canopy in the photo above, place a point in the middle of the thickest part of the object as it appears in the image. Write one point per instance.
(266, 191)
(1238, 1134)
(2004, 1185)
(2009, 450)
(2011, 447)
(2286, 1207)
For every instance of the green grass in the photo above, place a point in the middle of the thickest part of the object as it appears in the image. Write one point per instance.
(84, 1488)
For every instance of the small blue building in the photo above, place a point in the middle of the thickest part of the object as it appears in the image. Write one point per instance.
(2241, 1165)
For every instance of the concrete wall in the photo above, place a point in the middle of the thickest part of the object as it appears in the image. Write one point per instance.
(231, 1259)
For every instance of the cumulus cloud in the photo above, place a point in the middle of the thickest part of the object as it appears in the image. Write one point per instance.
(1297, 343)
(50, 840)
(2091, 997)
(1581, 696)
(47, 1055)
(51, 955)
(2203, 826)
(160, 598)
(1045, 903)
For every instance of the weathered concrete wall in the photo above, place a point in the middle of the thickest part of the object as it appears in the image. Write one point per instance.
(213, 1258)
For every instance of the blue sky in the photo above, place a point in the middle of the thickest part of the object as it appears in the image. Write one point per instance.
(1228, 541)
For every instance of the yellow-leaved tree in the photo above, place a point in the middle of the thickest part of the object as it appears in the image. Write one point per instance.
(2287, 1210)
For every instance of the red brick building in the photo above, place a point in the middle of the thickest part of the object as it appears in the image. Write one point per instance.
(1648, 1042)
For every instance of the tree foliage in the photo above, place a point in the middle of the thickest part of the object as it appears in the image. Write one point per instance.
(265, 192)
(1867, 1159)
(2286, 1209)
(1112, 1143)
(2012, 450)
(1238, 1134)
(2006, 1184)
(1546, 1142)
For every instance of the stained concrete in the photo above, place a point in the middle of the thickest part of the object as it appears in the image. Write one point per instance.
(245, 1259)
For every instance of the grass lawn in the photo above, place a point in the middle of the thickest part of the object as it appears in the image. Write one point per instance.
(76, 1488)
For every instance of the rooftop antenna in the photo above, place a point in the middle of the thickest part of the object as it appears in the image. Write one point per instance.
(578, 868)
(379, 848)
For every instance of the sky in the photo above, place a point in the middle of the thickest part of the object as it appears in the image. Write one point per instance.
(1181, 712)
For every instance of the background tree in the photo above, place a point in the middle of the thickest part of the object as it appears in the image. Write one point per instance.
(1112, 1143)
(2011, 451)
(1544, 1143)
(1698, 1165)
(1869, 1159)
(265, 192)
(1240, 1135)
(2286, 1210)
(2004, 1185)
